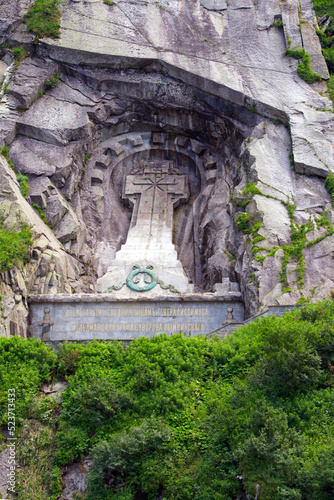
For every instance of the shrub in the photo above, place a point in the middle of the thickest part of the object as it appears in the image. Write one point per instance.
(189, 418)
(24, 365)
(40, 213)
(14, 247)
(304, 69)
(20, 53)
(23, 181)
(329, 185)
(242, 222)
(93, 403)
(71, 443)
(124, 455)
(4, 151)
(52, 82)
(43, 18)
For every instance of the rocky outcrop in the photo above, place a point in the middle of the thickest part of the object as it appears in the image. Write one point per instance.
(51, 269)
(204, 84)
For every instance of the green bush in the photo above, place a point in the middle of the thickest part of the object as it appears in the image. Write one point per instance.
(329, 56)
(124, 458)
(242, 222)
(20, 53)
(4, 151)
(190, 418)
(14, 247)
(23, 181)
(24, 365)
(40, 213)
(43, 18)
(71, 443)
(93, 403)
(329, 185)
(304, 69)
(52, 82)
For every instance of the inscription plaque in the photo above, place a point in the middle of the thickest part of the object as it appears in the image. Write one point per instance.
(126, 320)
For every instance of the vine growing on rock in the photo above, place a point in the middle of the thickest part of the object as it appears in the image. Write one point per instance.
(293, 252)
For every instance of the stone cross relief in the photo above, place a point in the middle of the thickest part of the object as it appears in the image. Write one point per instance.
(155, 189)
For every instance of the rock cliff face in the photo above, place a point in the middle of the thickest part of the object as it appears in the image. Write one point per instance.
(204, 84)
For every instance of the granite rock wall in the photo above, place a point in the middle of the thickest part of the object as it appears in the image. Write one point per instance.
(204, 84)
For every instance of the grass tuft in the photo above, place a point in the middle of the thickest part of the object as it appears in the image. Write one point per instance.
(43, 18)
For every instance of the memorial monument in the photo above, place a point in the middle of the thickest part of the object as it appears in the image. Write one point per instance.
(148, 260)
(145, 290)
(248, 142)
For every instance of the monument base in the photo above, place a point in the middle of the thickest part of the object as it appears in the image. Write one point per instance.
(82, 317)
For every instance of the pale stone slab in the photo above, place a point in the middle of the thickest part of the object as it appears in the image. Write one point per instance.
(214, 4)
(89, 317)
(312, 46)
(290, 18)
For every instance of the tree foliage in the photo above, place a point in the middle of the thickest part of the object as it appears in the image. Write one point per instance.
(192, 418)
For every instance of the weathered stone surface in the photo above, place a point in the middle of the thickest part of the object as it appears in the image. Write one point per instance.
(312, 46)
(47, 254)
(218, 5)
(56, 208)
(290, 18)
(68, 228)
(232, 70)
(176, 81)
(4, 478)
(320, 271)
(75, 481)
(55, 122)
(11, 14)
(39, 190)
(29, 80)
(274, 218)
(27, 161)
(64, 92)
(3, 69)
(34, 157)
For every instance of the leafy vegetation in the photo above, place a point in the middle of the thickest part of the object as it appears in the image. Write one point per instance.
(242, 222)
(189, 418)
(4, 151)
(329, 185)
(20, 53)
(23, 181)
(304, 69)
(52, 82)
(43, 18)
(40, 213)
(14, 247)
